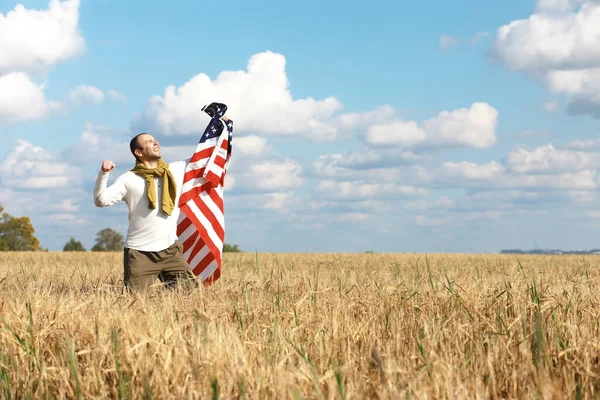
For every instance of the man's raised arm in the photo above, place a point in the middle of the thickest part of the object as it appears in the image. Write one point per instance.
(103, 196)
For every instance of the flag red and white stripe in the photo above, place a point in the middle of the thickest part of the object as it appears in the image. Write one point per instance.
(201, 224)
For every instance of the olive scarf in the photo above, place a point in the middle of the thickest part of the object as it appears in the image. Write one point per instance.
(169, 186)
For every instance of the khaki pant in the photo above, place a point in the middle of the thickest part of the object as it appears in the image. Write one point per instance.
(141, 268)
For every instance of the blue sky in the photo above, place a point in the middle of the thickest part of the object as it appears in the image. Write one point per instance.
(387, 126)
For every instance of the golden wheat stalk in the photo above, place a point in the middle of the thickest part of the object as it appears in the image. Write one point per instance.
(304, 326)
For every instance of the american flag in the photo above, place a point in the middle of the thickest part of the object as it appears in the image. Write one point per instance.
(201, 223)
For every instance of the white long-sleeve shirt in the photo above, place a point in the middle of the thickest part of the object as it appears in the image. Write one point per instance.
(149, 229)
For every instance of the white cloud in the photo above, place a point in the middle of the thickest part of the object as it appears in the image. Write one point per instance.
(362, 190)
(373, 205)
(353, 217)
(424, 220)
(118, 96)
(549, 159)
(478, 37)
(582, 180)
(509, 195)
(22, 99)
(276, 201)
(68, 205)
(544, 175)
(447, 42)
(582, 196)
(561, 39)
(473, 127)
(534, 134)
(258, 100)
(31, 167)
(492, 214)
(587, 144)
(35, 40)
(6, 197)
(66, 219)
(553, 41)
(263, 88)
(573, 82)
(229, 182)
(383, 174)
(99, 143)
(351, 121)
(251, 146)
(397, 133)
(275, 175)
(488, 199)
(470, 127)
(385, 169)
(474, 171)
(40, 204)
(493, 175)
(557, 5)
(83, 94)
(442, 203)
(550, 106)
(245, 205)
(593, 214)
(364, 164)
(169, 153)
(582, 88)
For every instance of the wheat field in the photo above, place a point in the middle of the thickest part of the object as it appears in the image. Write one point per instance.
(317, 326)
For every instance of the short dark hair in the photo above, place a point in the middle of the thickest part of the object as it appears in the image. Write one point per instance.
(135, 143)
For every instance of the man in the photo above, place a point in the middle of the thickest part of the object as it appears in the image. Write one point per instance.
(151, 190)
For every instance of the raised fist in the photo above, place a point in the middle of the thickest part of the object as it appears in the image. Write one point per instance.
(107, 165)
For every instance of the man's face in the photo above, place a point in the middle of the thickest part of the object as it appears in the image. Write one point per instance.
(150, 149)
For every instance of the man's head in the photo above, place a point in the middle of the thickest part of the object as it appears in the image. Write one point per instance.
(145, 148)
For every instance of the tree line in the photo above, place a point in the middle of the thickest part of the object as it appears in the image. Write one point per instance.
(18, 234)
(106, 240)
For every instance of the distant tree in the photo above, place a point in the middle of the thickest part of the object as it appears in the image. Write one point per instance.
(108, 240)
(73, 245)
(228, 248)
(17, 233)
